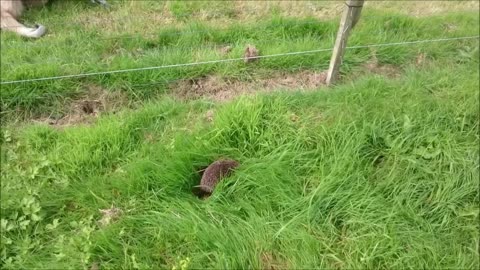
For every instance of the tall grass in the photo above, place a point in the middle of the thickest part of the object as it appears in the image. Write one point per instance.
(378, 174)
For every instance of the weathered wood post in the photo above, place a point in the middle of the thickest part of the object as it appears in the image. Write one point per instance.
(350, 17)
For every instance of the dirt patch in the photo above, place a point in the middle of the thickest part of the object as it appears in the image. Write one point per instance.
(219, 89)
(150, 137)
(383, 69)
(420, 59)
(450, 27)
(375, 67)
(209, 115)
(271, 262)
(87, 108)
(109, 215)
(225, 50)
(95, 266)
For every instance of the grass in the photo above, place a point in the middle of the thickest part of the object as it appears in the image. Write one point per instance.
(376, 172)
(71, 51)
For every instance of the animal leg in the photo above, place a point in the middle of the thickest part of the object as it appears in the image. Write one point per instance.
(11, 24)
(101, 2)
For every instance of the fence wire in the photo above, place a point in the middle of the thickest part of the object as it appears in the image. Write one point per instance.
(82, 75)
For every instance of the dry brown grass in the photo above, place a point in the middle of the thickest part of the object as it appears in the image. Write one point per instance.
(87, 108)
(423, 8)
(219, 89)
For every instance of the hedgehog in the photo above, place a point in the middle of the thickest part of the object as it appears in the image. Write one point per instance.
(213, 174)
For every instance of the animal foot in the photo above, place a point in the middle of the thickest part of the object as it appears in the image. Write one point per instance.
(101, 2)
(36, 32)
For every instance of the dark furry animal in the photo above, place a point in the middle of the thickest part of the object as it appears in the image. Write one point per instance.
(213, 174)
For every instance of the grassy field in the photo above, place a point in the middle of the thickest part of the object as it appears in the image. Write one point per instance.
(380, 171)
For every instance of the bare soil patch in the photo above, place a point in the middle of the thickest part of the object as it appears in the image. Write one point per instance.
(373, 66)
(109, 215)
(271, 262)
(85, 109)
(220, 89)
(421, 59)
(388, 70)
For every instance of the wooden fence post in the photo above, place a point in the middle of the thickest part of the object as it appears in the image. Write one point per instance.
(350, 17)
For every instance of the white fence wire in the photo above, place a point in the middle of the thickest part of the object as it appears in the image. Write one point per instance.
(82, 75)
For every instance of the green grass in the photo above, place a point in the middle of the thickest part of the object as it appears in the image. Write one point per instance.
(373, 173)
(78, 49)
(378, 174)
